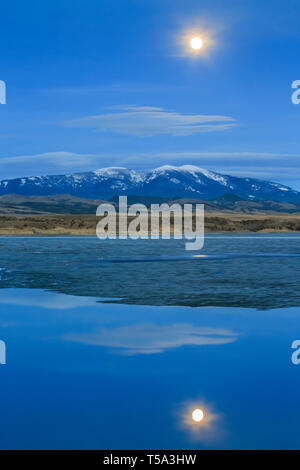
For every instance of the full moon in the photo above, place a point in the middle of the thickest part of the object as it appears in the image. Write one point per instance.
(197, 415)
(196, 43)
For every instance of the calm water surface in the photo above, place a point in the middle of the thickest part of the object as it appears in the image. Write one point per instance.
(107, 354)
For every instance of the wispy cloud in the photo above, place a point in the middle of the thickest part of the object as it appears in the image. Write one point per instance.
(147, 121)
(6, 136)
(46, 163)
(149, 338)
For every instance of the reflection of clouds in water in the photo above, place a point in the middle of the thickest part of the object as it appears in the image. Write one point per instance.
(210, 429)
(38, 298)
(150, 338)
(8, 324)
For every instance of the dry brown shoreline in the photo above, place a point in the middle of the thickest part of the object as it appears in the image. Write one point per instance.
(76, 225)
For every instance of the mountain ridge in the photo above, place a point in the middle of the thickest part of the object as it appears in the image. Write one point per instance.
(167, 181)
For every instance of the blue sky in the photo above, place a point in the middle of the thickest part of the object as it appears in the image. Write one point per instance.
(94, 83)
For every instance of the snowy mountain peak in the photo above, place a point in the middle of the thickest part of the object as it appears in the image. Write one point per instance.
(167, 181)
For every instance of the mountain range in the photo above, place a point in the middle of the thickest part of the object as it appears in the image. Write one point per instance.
(168, 182)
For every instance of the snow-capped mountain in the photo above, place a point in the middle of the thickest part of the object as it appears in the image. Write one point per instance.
(167, 181)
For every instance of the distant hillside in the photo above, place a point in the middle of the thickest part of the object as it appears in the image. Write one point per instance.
(61, 204)
(14, 204)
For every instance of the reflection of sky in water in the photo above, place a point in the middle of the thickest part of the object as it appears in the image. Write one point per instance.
(42, 299)
(63, 388)
(149, 338)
